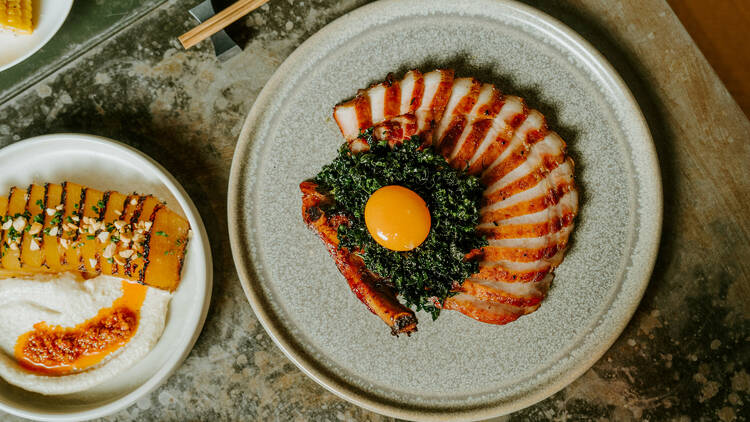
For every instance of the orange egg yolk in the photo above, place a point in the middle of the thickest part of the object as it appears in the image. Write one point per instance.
(397, 218)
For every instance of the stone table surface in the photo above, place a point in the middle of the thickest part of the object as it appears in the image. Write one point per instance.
(684, 356)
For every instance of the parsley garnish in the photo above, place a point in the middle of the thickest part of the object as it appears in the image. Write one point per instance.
(452, 196)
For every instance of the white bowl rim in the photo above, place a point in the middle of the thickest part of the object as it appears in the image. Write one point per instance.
(198, 319)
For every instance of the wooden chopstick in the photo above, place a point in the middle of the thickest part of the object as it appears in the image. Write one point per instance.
(219, 21)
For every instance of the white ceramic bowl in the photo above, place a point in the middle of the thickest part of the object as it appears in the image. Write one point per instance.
(105, 164)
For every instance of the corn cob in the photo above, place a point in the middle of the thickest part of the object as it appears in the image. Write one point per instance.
(16, 15)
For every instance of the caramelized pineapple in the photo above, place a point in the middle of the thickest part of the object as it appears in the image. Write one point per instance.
(137, 261)
(14, 223)
(73, 196)
(167, 244)
(89, 228)
(53, 251)
(69, 227)
(107, 245)
(32, 256)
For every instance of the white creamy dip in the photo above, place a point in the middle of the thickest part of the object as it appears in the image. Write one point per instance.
(66, 300)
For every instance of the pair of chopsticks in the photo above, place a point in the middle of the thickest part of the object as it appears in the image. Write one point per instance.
(219, 21)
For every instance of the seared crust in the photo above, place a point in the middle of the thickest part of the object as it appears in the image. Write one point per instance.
(379, 298)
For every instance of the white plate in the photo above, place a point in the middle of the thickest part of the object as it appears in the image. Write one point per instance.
(455, 367)
(49, 16)
(108, 165)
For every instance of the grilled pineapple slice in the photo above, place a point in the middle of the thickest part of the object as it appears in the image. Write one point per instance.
(69, 227)
(52, 249)
(13, 226)
(32, 255)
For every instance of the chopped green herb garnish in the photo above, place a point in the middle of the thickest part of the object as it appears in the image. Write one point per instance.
(40, 203)
(13, 234)
(429, 271)
(90, 237)
(161, 233)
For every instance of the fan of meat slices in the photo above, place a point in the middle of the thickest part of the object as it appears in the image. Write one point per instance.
(528, 206)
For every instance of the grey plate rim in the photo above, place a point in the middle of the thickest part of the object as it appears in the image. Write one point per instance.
(322, 375)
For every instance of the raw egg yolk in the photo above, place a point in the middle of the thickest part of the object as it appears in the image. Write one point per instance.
(397, 218)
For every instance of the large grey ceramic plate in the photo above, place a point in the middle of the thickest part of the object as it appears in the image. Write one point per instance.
(455, 367)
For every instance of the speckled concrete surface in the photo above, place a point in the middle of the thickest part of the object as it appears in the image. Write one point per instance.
(684, 356)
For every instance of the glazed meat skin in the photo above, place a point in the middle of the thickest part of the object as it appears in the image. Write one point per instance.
(377, 296)
(530, 201)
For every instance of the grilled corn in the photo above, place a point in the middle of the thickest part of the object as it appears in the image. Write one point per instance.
(16, 15)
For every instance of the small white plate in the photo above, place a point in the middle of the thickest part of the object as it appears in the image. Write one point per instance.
(105, 164)
(49, 16)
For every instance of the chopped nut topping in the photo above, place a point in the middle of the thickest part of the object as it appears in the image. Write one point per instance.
(19, 223)
(119, 224)
(133, 201)
(103, 236)
(119, 260)
(33, 246)
(53, 231)
(92, 263)
(118, 213)
(109, 250)
(13, 246)
(50, 212)
(125, 239)
(65, 243)
(127, 253)
(60, 207)
(7, 225)
(35, 228)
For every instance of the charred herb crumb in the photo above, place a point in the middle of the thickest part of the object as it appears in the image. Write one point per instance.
(452, 196)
